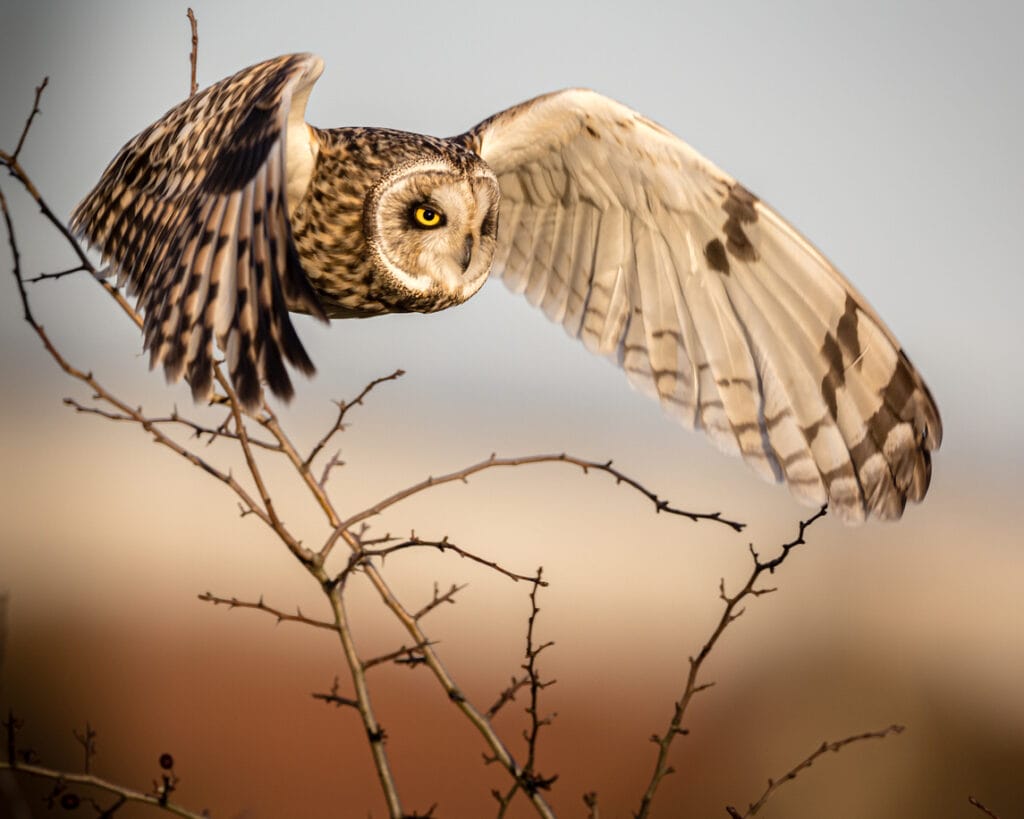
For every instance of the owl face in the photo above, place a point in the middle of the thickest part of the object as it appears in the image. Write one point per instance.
(432, 229)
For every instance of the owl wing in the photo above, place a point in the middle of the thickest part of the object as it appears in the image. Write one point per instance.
(193, 215)
(709, 300)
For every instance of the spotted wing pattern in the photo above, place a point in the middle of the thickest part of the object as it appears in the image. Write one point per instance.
(193, 215)
(652, 256)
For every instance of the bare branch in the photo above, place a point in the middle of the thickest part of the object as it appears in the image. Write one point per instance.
(198, 430)
(508, 695)
(529, 779)
(438, 599)
(404, 655)
(730, 613)
(32, 115)
(343, 408)
(463, 475)
(835, 747)
(87, 739)
(59, 275)
(334, 461)
(981, 807)
(357, 559)
(259, 605)
(334, 698)
(157, 800)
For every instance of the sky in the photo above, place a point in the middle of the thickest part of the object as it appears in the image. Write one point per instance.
(887, 133)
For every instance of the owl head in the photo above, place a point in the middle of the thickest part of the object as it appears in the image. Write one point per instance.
(431, 226)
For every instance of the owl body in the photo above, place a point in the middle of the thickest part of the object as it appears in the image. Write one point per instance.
(231, 211)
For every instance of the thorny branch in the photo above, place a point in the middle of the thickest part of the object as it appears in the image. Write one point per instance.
(531, 780)
(730, 612)
(493, 462)
(24, 761)
(259, 605)
(791, 774)
(339, 423)
(358, 558)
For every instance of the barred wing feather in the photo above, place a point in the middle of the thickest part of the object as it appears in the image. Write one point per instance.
(652, 256)
(193, 215)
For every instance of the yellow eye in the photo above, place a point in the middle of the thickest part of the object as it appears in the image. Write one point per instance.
(427, 217)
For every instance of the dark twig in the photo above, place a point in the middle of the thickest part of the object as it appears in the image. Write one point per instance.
(198, 430)
(463, 475)
(42, 277)
(590, 800)
(32, 115)
(259, 605)
(11, 726)
(334, 698)
(508, 695)
(87, 739)
(730, 613)
(339, 423)
(404, 655)
(359, 558)
(158, 800)
(437, 600)
(530, 780)
(825, 747)
(977, 803)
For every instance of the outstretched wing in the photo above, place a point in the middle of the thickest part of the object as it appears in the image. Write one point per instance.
(709, 300)
(193, 214)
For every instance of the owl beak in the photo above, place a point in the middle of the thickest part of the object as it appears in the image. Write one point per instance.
(467, 252)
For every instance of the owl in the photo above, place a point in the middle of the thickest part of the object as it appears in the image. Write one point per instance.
(231, 211)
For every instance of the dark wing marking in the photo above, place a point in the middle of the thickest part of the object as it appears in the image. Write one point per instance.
(193, 215)
(650, 255)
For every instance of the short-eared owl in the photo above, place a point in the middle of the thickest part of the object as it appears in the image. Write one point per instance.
(230, 211)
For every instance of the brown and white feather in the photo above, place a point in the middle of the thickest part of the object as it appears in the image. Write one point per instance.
(652, 256)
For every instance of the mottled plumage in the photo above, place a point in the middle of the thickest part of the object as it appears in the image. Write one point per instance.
(230, 211)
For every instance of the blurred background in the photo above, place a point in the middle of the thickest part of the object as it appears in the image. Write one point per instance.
(887, 133)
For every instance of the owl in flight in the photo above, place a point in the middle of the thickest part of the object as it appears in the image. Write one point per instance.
(230, 211)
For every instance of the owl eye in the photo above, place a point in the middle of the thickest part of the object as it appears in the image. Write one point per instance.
(424, 216)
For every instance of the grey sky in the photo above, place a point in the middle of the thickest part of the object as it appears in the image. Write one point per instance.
(886, 132)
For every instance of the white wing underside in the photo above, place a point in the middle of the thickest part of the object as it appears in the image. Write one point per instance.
(709, 301)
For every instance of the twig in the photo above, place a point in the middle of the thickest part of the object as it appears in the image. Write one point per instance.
(198, 430)
(58, 275)
(463, 475)
(508, 695)
(334, 698)
(193, 54)
(404, 655)
(357, 559)
(729, 614)
(343, 408)
(410, 620)
(87, 739)
(259, 605)
(32, 115)
(157, 801)
(530, 780)
(437, 600)
(835, 747)
(977, 803)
